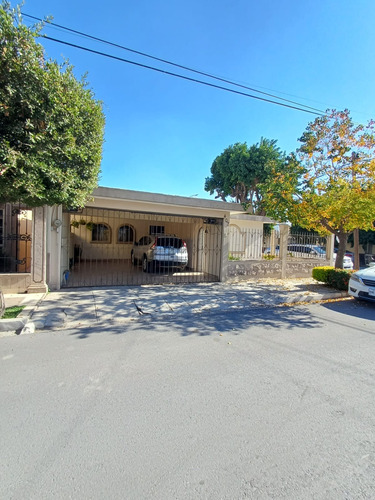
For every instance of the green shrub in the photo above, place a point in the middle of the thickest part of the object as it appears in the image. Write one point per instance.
(231, 257)
(321, 273)
(339, 278)
(269, 257)
(336, 278)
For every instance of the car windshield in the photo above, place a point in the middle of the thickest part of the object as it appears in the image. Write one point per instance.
(319, 250)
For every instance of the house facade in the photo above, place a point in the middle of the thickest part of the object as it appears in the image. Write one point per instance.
(51, 248)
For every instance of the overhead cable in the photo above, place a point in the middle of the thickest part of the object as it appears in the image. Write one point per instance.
(183, 77)
(209, 75)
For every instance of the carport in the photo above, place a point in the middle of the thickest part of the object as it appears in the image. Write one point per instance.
(96, 242)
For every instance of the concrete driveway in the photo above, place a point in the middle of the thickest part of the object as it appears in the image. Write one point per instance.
(110, 306)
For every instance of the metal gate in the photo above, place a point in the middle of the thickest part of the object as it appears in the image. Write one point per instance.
(15, 238)
(98, 245)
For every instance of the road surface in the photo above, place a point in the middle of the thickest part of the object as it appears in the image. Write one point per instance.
(272, 403)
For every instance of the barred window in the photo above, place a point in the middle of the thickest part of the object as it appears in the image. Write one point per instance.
(101, 233)
(125, 234)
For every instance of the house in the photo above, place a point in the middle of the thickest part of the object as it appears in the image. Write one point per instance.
(50, 247)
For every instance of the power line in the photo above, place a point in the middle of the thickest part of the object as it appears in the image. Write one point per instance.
(86, 35)
(208, 84)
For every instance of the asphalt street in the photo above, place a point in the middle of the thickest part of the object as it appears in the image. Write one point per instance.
(268, 403)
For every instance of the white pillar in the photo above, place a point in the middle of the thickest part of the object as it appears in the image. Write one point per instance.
(54, 231)
(38, 254)
(330, 244)
(224, 248)
(283, 251)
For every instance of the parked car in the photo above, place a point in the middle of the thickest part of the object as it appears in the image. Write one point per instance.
(314, 251)
(348, 259)
(347, 262)
(362, 284)
(299, 250)
(267, 251)
(160, 251)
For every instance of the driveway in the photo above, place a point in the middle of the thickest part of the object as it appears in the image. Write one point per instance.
(70, 308)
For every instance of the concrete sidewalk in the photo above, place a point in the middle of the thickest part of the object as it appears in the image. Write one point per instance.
(74, 308)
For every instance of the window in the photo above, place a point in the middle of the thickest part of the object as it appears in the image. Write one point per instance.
(155, 230)
(125, 234)
(101, 233)
(145, 240)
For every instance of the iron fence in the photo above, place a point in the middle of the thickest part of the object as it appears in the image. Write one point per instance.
(15, 238)
(306, 245)
(105, 247)
(254, 244)
(246, 243)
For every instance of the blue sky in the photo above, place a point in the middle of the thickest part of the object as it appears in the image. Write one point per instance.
(163, 133)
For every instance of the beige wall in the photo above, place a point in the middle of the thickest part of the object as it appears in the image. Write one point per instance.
(186, 228)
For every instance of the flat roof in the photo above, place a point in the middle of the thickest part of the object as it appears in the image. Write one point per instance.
(166, 199)
(258, 218)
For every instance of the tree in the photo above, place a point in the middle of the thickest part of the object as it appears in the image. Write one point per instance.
(329, 184)
(51, 126)
(239, 170)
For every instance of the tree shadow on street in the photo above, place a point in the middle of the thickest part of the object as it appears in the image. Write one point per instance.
(204, 324)
(356, 308)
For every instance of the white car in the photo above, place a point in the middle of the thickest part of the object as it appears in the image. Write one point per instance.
(362, 284)
(347, 262)
(166, 251)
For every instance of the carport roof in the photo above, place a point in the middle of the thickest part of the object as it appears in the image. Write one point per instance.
(103, 196)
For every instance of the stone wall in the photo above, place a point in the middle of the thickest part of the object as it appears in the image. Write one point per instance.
(15, 282)
(247, 270)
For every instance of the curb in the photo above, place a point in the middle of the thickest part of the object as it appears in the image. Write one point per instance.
(317, 297)
(21, 324)
(13, 324)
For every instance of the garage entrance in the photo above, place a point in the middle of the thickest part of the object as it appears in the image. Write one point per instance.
(99, 245)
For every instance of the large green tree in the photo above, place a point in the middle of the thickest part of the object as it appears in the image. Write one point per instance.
(51, 126)
(238, 172)
(329, 184)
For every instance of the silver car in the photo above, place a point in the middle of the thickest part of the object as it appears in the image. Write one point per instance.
(160, 251)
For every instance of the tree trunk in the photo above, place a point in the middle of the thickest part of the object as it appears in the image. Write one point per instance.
(343, 239)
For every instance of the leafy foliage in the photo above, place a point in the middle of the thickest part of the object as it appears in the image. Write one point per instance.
(365, 238)
(335, 278)
(239, 171)
(320, 273)
(328, 185)
(339, 278)
(51, 127)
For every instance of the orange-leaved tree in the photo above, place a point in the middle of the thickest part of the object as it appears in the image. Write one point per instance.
(329, 183)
